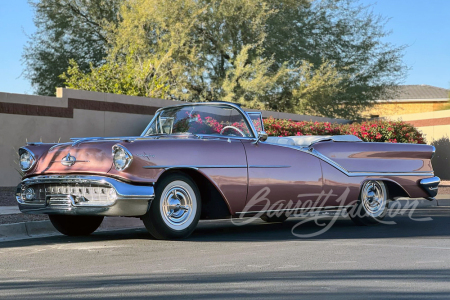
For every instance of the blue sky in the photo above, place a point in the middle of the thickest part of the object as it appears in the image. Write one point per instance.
(16, 21)
(423, 25)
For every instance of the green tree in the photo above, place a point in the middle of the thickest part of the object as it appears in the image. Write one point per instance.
(325, 58)
(66, 29)
(350, 36)
(118, 78)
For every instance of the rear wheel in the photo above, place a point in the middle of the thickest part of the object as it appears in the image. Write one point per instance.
(175, 211)
(372, 205)
(76, 225)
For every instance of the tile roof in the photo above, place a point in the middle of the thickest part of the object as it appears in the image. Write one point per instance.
(422, 91)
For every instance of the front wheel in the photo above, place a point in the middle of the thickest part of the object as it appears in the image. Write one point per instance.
(372, 205)
(76, 225)
(175, 211)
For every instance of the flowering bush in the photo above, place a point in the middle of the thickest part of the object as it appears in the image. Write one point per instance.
(207, 125)
(370, 131)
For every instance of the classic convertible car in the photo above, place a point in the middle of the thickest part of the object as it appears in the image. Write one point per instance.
(214, 160)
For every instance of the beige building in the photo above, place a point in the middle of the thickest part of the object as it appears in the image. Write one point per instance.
(435, 126)
(411, 99)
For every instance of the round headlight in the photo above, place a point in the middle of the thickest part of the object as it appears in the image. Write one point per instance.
(122, 158)
(29, 194)
(26, 160)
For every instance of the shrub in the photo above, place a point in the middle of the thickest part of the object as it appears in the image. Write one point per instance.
(370, 131)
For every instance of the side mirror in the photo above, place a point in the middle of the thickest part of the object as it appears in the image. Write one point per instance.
(262, 137)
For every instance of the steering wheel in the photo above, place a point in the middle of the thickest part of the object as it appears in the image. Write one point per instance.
(232, 127)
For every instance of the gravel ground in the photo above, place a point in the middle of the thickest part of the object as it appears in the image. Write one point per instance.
(18, 218)
(7, 196)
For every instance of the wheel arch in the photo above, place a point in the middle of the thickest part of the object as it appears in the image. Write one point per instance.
(394, 189)
(214, 203)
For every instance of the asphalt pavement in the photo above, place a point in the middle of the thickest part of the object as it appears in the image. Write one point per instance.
(408, 260)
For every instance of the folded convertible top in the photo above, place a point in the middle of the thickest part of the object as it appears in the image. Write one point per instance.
(308, 140)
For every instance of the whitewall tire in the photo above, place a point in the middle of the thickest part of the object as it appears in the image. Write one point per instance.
(372, 205)
(175, 211)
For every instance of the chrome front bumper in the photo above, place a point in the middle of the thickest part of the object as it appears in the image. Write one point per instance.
(83, 195)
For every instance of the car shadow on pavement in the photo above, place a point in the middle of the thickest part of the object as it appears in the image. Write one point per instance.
(225, 230)
(343, 228)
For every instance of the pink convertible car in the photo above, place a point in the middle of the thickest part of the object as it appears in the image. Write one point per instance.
(214, 160)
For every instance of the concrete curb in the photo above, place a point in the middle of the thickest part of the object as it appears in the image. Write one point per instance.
(443, 202)
(13, 231)
(26, 230)
(444, 183)
(9, 210)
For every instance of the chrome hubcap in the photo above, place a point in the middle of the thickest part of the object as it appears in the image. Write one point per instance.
(374, 198)
(177, 206)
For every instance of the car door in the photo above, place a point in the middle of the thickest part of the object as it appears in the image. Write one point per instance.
(281, 177)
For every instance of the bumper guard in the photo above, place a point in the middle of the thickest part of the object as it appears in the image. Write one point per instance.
(430, 185)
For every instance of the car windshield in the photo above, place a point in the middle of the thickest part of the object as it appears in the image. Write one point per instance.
(201, 119)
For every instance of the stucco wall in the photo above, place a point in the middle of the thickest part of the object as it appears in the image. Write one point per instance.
(401, 108)
(436, 128)
(77, 114)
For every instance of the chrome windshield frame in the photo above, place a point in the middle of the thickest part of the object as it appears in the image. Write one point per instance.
(232, 105)
(260, 119)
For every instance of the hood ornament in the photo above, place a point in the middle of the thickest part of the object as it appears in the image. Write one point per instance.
(68, 160)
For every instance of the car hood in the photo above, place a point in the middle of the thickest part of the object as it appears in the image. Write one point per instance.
(88, 157)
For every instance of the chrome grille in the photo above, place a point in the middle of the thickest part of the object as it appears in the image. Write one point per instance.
(84, 193)
(55, 201)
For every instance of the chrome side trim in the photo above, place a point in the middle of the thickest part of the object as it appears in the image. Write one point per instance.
(295, 209)
(214, 166)
(353, 174)
(319, 155)
(269, 166)
(195, 167)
